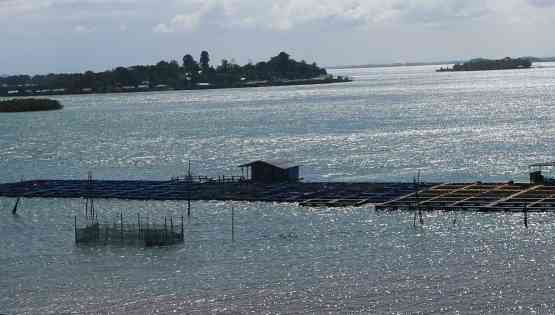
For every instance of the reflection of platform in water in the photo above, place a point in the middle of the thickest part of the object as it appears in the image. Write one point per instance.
(129, 234)
(334, 202)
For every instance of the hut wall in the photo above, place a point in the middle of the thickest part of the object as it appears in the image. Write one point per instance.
(293, 173)
(263, 172)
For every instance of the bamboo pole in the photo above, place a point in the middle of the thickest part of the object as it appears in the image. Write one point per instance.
(189, 204)
(171, 230)
(418, 199)
(165, 228)
(121, 224)
(232, 224)
(525, 210)
(138, 226)
(182, 231)
(14, 210)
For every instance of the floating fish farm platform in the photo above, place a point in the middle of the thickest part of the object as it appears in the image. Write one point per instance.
(476, 196)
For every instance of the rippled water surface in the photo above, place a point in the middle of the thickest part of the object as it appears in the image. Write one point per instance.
(385, 126)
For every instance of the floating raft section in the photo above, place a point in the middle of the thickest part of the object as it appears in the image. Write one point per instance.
(309, 194)
(477, 196)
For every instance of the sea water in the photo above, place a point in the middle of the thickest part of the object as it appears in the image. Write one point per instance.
(387, 125)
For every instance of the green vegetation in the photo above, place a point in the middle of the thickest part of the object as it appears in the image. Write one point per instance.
(488, 64)
(279, 70)
(29, 105)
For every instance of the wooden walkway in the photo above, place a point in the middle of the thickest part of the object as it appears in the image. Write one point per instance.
(308, 194)
(384, 196)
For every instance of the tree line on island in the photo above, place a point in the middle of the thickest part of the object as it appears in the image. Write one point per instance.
(29, 105)
(480, 64)
(190, 74)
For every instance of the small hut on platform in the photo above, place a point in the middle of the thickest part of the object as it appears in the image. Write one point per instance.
(271, 171)
(537, 176)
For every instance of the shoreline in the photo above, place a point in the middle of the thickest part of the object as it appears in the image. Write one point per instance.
(475, 70)
(20, 105)
(314, 81)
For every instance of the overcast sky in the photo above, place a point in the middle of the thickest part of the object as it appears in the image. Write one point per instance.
(41, 36)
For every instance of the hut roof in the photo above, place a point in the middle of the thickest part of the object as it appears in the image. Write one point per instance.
(283, 164)
(543, 164)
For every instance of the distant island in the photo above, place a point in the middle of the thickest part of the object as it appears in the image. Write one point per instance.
(28, 105)
(481, 64)
(427, 63)
(394, 65)
(189, 75)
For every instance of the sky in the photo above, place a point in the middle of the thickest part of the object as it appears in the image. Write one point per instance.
(44, 36)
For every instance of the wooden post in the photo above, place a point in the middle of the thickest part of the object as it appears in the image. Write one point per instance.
(189, 176)
(165, 228)
(171, 229)
(189, 205)
(182, 231)
(525, 210)
(97, 228)
(138, 226)
(232, 224)
(121, 224)
(14, 210)
(418, 199)
(416, 191)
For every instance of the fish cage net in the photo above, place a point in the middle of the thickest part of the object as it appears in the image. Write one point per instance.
(140, 233)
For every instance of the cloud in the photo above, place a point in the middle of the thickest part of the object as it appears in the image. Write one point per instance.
(284, 15)
(83, 29)
(162, 28)
(327, 31)
(20, 7)
(183, 22)
(542, 3)
(273, 15)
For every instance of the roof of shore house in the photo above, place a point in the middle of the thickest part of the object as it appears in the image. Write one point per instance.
(283, 164)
